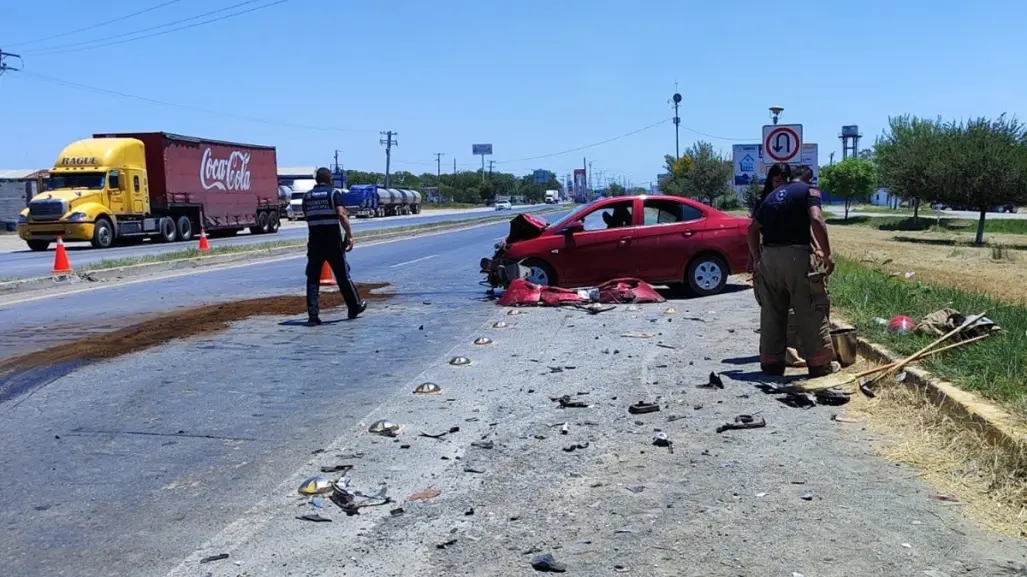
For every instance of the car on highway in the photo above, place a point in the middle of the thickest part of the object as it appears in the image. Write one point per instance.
(504, 205)
(663, 240)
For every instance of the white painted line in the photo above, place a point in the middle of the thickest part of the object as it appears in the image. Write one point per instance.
(210, 269)
(413, 261)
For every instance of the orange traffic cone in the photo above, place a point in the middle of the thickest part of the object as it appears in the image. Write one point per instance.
(326, 275)
(204, 245)
(60, 259)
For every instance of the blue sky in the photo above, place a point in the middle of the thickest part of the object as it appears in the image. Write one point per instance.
(531, 77)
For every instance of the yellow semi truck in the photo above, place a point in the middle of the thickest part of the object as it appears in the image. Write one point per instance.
(157, 185)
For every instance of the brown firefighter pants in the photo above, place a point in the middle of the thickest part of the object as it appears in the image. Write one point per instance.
(788, 278)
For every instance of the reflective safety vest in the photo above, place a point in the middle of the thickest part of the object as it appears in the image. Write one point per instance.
(319, 207)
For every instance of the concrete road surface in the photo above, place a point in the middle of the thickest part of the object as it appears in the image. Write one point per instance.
(143, 464)
(20, 262)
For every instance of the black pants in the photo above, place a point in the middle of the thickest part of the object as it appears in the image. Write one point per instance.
(334, 253)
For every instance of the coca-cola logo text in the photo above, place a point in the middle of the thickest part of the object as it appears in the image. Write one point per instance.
(232, 173)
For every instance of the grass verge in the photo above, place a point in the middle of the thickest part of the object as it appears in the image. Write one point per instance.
(450, 205)
(931, 224)
(995, 367)
(253, 247)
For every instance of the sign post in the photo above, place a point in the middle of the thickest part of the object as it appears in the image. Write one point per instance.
(782, 143)
(482, 150)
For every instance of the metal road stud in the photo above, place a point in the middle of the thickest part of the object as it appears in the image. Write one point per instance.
(483, 341)
(458, 361)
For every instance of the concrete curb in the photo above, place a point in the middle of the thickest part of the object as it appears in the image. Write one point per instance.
(119, 273)
(997, 425)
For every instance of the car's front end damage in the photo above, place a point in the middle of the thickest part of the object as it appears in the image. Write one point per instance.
(502, 268)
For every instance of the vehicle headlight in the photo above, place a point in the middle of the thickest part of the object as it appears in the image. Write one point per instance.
(76, 216)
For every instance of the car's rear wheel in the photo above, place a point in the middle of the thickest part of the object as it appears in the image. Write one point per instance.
(540, 272)
(707, 275)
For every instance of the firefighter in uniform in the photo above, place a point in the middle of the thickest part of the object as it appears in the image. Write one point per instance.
(326, 242)
(791, 274)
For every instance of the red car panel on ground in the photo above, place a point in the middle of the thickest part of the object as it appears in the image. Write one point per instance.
(662, 240)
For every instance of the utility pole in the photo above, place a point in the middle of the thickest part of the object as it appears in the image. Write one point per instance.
(492, 163)
(590, 181)
(677, 122)
(454, 170)
(4, 66)
(584, 168)
(389, 143)
(438, 172)
(338, 175)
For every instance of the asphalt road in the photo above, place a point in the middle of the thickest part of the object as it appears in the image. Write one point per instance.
(20, 262)
(126, 466)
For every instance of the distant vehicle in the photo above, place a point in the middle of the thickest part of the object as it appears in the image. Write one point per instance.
(128, 187)
(299, 188)
(552, 196)
(663, 240)
(503, 205)
(370, 200)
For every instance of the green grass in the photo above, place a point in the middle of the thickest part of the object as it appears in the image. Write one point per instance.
(233, 249)
(884, 209)
(931, 224)
(995, 367)
(450, 205)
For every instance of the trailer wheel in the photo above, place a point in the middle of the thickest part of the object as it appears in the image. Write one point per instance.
(38, 245)
(274, 222)
(417, 209)
(185, 229)
(103, 234)
(261, 226)
(167, 230)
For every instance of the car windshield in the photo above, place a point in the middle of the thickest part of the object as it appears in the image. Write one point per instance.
(567, 217)
(90, 180)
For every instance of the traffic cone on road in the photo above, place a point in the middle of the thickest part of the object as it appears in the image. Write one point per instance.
(204, 245)
(326, 275)
(60, 259)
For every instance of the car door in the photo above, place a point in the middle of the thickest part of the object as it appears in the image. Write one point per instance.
(670, 235)
(600, 252)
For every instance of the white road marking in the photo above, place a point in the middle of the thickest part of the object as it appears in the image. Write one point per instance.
(210, 269)
(413, 261)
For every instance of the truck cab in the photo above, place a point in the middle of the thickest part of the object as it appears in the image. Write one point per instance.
(92, 183)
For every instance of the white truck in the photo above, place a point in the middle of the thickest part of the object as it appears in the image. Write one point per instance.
(552, 196)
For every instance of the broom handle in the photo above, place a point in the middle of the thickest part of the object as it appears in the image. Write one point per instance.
(878, 369)
(966, 324)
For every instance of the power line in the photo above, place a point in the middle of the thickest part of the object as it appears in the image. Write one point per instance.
(258, 120)
(84, 45)
(104, 23)
(587, 146)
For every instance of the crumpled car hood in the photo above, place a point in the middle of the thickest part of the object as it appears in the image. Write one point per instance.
(525, 227)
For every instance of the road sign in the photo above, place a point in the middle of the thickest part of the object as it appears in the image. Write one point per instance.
(782, 143)
(481, 149)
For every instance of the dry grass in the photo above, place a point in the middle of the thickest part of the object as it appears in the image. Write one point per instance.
(998, 270)
(989, 481)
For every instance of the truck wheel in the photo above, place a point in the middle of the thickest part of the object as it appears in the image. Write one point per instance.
(274, 222)
(417, 209)
(185, 229)
(261, 224)
(167, 230)
(103, 234)
(38, 245)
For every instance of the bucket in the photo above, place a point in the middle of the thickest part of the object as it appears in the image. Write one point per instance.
(845, 344)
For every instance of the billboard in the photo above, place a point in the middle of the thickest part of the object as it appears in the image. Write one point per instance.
(579, 184)
(541, 176)
(747, 160)
(481, 149)
(810, 156)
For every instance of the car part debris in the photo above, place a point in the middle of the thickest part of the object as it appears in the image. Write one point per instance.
(638, 335)
(714, 382)
(565, 428)
(743, 422)
(315, 486)
(833, 397)
(213, 558)
(500, 325)
(458, 361)
(547, 564)
(397, 511)
(385, 428)
(314, 517)
(428, 389)
(336, 468)
(440, 435)
(666, 346)
(641, 408)
(470, 469)
(571, 448)
(483, 341)
(566, 402)
(662, 440)
(486, 445)
(424, 494)
(636, 488)
(446, 544)
(843, 419)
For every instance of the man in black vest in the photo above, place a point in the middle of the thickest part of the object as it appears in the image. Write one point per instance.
(323, 209)
(790, 274)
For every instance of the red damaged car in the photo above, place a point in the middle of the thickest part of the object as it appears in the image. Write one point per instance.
(662, 240)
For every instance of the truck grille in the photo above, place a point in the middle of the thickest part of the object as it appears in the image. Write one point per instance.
(46, 209)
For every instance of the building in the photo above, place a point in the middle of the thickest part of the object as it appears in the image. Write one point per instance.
(17, 187)
(289, 174)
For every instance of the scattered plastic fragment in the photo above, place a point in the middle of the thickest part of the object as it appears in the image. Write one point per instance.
(316, 486)
(213, 558)
(314, 517)
(424, 494)
(546, 563)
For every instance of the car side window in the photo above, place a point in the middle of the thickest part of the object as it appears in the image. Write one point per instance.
(662, 212)
(688, 213)
(614, 215)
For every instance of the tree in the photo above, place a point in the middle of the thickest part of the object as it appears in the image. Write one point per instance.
(851, 179)
(615, 190)
(908, 158)
(754, 192)
(701, 173)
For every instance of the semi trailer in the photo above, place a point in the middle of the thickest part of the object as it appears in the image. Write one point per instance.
(369, 200)
(127, 187)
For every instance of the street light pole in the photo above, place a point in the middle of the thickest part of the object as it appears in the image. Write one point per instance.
(677, 125)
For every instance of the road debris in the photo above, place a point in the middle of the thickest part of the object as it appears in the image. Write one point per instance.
(567, 402)
(424, 494)
(638, 335)
(844, 419)
(385, 428)
(336, 468)
(316, 486)
(714, 382)
(546, 563)
(571, 448)
(213, 558)
(314, 517)
(743, 422)
(486, 445)
(641, 408)
(428, 388)
(661, 440)
(459, 361)
(440, 435)
(471, 469)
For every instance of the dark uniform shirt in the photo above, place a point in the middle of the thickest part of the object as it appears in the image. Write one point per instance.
(319, 208)
(784, 214)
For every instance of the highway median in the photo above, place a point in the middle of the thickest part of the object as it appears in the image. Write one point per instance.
(113, 270)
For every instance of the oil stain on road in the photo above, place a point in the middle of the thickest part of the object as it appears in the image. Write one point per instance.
(23, 373)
